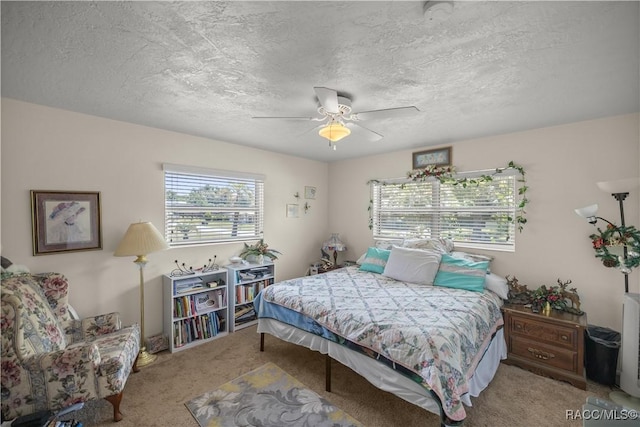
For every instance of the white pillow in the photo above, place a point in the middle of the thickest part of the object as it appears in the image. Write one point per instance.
(444, 246)
(497, 284)
(412, 265)
(388, 243)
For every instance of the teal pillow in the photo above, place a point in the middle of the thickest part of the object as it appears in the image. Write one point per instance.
(375, 260)
(460, 273)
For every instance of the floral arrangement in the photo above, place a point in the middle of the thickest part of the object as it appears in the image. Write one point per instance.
(610, 243)
(560, 297)
(552, 295)
(260, 248)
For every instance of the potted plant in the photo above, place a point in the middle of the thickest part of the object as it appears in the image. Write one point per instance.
(257, 252)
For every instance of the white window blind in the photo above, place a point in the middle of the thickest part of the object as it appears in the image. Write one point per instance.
(473, 216)
(210, 206)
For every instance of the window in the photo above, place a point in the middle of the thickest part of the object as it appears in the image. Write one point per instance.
(472, 216)
(210, 206)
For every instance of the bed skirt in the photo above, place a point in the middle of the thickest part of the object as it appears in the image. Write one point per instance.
(383, 376)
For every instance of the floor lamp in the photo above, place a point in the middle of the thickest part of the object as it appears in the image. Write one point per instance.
(141, 239)
(619, 190)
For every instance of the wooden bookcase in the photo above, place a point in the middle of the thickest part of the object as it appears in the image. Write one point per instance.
(245, 281)
(196, 308)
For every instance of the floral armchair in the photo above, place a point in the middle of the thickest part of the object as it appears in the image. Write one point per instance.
(50, 360)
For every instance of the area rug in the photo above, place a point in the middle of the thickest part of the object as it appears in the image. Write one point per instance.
(266, 397)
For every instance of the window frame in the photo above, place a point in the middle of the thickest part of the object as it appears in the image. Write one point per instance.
(202, 176)
(437, 210)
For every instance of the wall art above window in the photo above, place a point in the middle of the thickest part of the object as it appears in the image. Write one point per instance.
(437, 157)
(65, 221)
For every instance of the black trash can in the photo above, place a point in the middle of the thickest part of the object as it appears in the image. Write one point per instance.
(601, 354)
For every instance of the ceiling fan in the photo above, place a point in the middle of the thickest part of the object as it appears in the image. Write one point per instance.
(335, 110)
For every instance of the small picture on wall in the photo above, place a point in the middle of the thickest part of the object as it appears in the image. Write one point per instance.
(65, 221)
(438, 157)
(309, 192)
(293, 211)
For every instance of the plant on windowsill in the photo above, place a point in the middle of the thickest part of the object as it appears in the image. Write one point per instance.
(258, 251)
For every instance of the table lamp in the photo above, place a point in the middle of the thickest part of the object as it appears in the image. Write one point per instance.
(334, 244)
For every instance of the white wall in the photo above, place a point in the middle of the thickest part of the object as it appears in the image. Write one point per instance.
(51, 149)
(562, 164)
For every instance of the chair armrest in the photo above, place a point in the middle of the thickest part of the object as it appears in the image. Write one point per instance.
(82, 360)
(93, 327)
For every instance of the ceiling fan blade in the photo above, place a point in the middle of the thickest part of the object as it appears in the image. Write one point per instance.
(368, 133)
(385, 114)
(316, 128)
(288, 118)
(328, 99)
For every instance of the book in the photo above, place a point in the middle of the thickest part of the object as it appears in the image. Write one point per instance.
(242, 310)
(186, 285)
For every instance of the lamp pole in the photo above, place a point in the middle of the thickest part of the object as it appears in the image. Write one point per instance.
(620, 198)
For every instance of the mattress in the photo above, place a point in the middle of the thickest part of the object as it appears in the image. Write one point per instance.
(433, 336)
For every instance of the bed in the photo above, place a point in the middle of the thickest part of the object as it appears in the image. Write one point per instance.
(432, 346)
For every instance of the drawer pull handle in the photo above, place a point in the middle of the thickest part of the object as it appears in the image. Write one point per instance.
(539, 354)
(564, 338)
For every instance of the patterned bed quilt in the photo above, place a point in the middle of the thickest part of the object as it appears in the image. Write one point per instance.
(438, 333)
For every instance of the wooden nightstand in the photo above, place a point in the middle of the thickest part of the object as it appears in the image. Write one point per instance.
(550, 345)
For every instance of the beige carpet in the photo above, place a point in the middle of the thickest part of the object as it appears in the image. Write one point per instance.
(156, 395)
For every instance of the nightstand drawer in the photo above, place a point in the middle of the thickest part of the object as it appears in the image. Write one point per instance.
(544, 354)
(552, 333)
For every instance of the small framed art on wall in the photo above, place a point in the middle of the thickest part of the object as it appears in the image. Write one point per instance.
(437, 157)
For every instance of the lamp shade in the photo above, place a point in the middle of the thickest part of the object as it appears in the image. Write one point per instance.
(334, 131)
(141, 238)
(334, 243)
(619, 186)
(588, 211)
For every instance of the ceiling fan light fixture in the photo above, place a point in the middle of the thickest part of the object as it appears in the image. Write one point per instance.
(334, 131)
(437, 11)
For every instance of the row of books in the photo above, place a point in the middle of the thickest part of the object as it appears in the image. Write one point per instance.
(197, 328)
(192, 305)
(246, 293)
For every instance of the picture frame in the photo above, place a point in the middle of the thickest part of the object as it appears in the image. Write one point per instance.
(309, 192)
(293, 210)
(65, 221)
(437, 157)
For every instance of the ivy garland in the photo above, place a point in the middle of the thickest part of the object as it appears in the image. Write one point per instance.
(446, 174)
(618, 237)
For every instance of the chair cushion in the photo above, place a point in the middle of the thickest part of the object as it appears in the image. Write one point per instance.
(38, 330)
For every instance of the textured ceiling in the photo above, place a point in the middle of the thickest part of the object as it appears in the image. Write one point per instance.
(205, 68)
